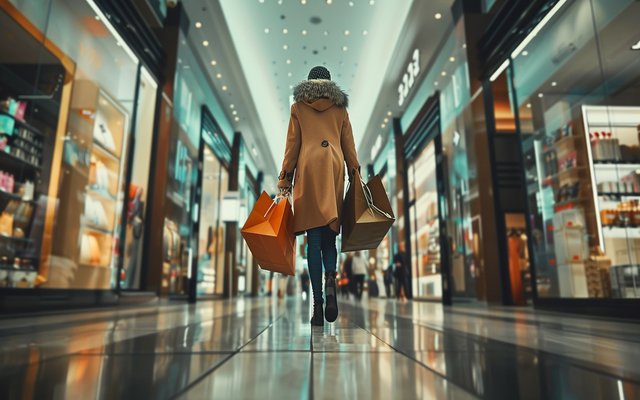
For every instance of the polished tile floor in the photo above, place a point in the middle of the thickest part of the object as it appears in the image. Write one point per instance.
(265, 349)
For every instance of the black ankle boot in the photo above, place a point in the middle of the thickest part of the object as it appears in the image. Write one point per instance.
(331, 291)
(317, 319)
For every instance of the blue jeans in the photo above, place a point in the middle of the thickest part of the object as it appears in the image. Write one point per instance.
(322, 247)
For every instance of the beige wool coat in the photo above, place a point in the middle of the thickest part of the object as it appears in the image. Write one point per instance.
(319, 141)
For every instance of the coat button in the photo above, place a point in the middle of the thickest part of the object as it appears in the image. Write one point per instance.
(325, 143)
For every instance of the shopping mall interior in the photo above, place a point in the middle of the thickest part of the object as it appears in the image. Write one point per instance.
(157, 240)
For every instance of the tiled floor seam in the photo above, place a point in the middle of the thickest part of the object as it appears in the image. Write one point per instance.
(202, 376)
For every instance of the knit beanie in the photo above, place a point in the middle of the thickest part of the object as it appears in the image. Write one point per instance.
(319, 73)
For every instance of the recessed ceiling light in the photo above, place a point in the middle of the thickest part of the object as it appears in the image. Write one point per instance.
(540, 95)
(232, 106)
(372, 2)
(219, 76)
(529, 105)
(289, 74)
(326, 33)
(364, 32)
(234, 112)
(304, 32)
(285, 31)
(452, 59)
(464, 46)
(288, 61)
(198, 25)
(224, 88)
(383, 125)
(346, 32)
(285, 47)
(436, 83)
(213, 62)
(444, 73)
(389, 113)
(386, 120)
(261, 1)
(438, 16)
(205, 43)
(525, 53)
(290, 86)
(351, 4)
(97, 17)
(329, 1)
(237, 118)
(344, 48)
(554, 83)
(266, 30)
(304, 1)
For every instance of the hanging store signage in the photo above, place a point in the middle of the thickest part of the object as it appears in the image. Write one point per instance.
(409, 78)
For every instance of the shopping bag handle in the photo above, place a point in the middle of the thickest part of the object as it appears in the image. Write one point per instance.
(274, 202)
(369, 198)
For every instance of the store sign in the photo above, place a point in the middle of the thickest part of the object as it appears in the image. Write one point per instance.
(409, 78)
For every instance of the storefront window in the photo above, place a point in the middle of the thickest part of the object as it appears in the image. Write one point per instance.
(576, 94)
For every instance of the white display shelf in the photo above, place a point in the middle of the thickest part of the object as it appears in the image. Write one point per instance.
(620, 232)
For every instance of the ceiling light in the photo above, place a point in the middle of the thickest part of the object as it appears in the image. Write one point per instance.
(97, 17)
(288, 61)
(261, 1)
(285, 47)
(436, 83)
(290, 86)
(540, 95)
(285, 31)
(232, 106)
(389, 113)
(372, 2)
(364, 32)
(326, 33)
(205, 43)
(234, 112)
(636, 46)
(219, 76)
(351, 4)
(224, 88)
(438, 16)
(344, 48)
(525, 53)
(198, 25)
(266, 30)
(554, 83)
(529, 105)
(329, 1)
(386, 120)
(304, 32)
(452, 59)
(237, 118)
(464, 46)
(213, 62)
(346, 32)
(444, 73)
(289, 74)
(383, 125)
(304, 1)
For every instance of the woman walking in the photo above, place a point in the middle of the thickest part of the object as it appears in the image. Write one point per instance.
(319, 141)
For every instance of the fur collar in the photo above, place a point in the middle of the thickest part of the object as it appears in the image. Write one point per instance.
(314, 89)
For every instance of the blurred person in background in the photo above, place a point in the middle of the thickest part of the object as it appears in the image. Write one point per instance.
(359, 273)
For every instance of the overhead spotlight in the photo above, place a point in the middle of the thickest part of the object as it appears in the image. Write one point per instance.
(205, 43)
(285, 47)
(198, 25)
(266, 30)
(540, 95)
(444, 73)
(452, 59)
(386, 120)
(436, 83)
(261, 1)
(365, 33)
(288, 61)
(525, 53)
(234, 112)
(290, 86)
(344, 48)
(346, 32)
(285, 31)
(351, 4)
(304, 1)
(304, 32)
(237, 118)
(529, 105)
(219, 76)
(372, 2)
(326, 33)
(554, 83)
(224, 88)
(329, 1)
(232, 106)
(464, 46)
(438, 16)
(213, 62)
(383, 125)
(289, 74)
(389, 113)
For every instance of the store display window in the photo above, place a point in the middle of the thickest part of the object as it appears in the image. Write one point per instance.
(575, 91)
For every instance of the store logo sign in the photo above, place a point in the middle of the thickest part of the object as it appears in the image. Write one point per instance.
(409, 78)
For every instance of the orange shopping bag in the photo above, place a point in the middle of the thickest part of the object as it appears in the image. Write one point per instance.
(269, 235)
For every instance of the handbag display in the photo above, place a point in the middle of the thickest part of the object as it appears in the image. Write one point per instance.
(367, 215)
(268, 232)
(6, 224)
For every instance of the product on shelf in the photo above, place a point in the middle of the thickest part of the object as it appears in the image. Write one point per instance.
(597, 272)
(568, 161)
(604, 148)
(624, 281)
(95, 213)
(625, 214)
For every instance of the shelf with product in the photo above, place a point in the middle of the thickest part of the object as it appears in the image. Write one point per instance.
(90, 193)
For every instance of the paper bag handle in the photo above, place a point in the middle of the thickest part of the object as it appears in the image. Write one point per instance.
(274, 202)
(369, 198)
